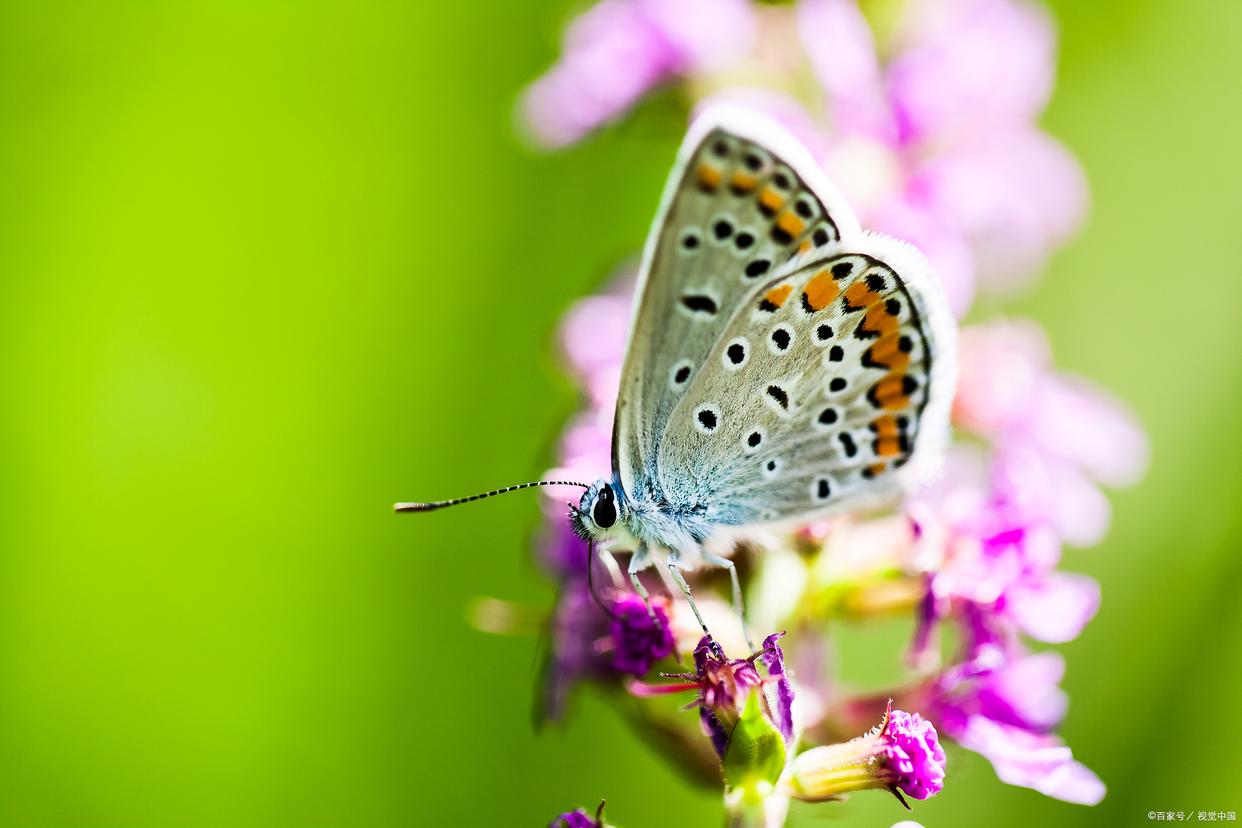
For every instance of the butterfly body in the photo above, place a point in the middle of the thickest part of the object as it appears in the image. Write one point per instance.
(631, 522)
(782, 364)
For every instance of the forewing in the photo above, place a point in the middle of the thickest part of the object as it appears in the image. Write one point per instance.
(743, 199)
(828, 381)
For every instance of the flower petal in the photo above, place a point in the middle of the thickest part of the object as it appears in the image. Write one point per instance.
(1076, 419)
(1037, 761)
(966, 66)
(1055, 607)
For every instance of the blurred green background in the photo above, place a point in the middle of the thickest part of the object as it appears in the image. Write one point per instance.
(268, 267)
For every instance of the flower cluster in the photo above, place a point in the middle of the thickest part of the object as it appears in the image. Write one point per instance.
(930, 130)
(928, 123)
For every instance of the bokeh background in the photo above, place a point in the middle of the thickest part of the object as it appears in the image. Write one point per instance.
(266, 268)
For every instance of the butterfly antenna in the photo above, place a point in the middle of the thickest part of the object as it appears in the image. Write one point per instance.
(444, 504)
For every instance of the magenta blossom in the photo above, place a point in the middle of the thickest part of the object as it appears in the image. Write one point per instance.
(1056, 436)
(602, 641)
(640, 637)
(576, 818)
(579, 818)
(938, 143)
(1002, 702)
(902, 754)
(618, 50)
(912, 751)
(994, 564)
(725, 686)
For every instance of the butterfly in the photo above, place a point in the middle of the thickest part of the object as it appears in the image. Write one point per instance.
(783, 364)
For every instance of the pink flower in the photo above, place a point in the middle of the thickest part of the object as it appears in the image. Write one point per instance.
(726, 685)
(938, 145)
(912, 750)
(904, 754)
(996, 561)
(618, 50)
(1038, 761)
(1056, 434)
(1002, 706)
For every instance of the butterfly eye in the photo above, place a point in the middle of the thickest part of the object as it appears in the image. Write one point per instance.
(605, 511)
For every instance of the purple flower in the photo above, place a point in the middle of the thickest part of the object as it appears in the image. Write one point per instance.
(1033, 760)
(577, 818)
(602, 644)
(638, 639)
(903, 754)
(1002, 703)
(913, 752)
(994, 565)
(938, 144)
(578, 625)
(618, 50)
(1056, 435)
(773, 659)
(725, 687)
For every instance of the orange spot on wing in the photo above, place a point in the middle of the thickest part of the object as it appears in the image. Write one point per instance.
(709, 177)
(885, 426)
(778, 295)
(770, 199)
(878, 320)
(890, 393)
(888, 446)
(790, 223)
(743, 182)
(820, 291)
(887, 354)
(859, 296)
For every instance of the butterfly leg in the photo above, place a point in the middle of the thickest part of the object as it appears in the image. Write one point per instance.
(685, 590)
(639, 561)
(610, 564)
(738, 606)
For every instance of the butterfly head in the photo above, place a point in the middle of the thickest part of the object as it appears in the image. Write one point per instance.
(598, 512)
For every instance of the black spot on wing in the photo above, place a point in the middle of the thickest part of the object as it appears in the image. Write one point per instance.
(700, 303)
(757, 268)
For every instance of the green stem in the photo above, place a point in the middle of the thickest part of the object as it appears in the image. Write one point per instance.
(753, 811)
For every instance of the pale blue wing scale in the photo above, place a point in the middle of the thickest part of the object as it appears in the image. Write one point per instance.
(828, 389)
(743, 199)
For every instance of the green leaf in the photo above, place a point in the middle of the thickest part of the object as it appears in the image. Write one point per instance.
(755, 758)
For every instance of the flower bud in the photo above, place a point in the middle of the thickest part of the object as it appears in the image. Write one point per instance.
(746, 709)
(579, 818)
(903, 754)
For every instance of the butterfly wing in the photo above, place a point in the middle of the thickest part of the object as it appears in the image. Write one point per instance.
(743, 199)
(826, 383)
